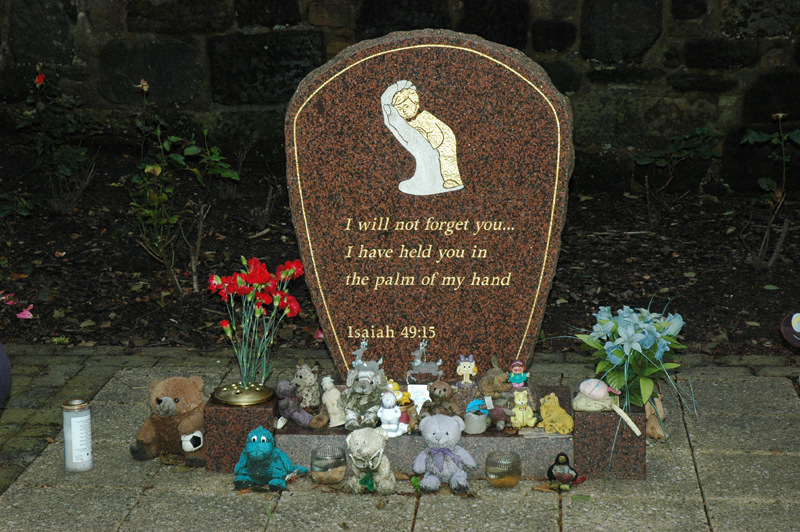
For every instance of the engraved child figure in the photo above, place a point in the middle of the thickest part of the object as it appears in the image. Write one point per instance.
(429, 140)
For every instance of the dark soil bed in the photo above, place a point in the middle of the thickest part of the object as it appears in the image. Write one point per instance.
(90, 282)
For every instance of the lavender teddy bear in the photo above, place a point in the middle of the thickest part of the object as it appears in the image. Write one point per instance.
(444, 460)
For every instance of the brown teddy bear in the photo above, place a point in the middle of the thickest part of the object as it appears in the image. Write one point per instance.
(494, 382)
(176, 423)
(441, 401)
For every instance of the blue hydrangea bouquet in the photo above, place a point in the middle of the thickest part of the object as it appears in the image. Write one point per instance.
(635, 348)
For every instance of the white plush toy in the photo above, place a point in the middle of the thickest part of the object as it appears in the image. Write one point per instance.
(390, 415)
(444, 460)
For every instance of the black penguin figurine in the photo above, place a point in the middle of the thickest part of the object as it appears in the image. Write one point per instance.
(560, 474)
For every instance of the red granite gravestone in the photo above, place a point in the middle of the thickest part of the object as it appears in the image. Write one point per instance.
(427, 176)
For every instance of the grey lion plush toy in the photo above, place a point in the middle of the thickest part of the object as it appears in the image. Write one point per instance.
(444, 460)
(362, 398)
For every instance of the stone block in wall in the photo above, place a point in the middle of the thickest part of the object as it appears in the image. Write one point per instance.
(720, 53)
(709, 83)
(552, 35)
(621, 116)
(178, 17)
(760, 18)
(619, 30)
(41, 31)
(106, 16)
(172, 69)
(626, 75)
(263, 68)
(330, 15)
(776, 92)
(564, 76)
(688, 9)
(381, 17)
(268, 13)
(502, 21)
(556, 9)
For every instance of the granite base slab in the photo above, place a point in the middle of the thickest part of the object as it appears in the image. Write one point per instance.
(226, 430)
(598, 455)
(537, 454)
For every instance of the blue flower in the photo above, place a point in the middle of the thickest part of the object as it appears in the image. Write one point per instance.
(629, 338)
(626, 313)
(612, 357)
(650, 335)
(603, 314)
(663, 347)
(602, 330)
(646, 316)
(672, 325)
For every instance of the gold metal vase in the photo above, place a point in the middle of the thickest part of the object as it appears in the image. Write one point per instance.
(237, 395)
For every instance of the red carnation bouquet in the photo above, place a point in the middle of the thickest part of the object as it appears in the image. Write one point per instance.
(265, 302)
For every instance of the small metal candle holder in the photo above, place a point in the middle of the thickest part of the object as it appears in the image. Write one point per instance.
(328, 464)
(503, 469)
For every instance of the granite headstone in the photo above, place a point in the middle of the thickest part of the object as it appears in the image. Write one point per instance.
(427, 176)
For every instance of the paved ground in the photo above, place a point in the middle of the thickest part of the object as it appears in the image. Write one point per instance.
(735, 466)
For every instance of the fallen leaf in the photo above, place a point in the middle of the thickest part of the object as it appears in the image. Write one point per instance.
(84, 343)
(58, 313)
(15, 276)
(544, 487)
(243, 491)
(753, 323)
(577, 497)
(399, 475)
(689, 274)
(381, 505)
(87, 323)
(105, 325)
(344, 526)
(771, 287)
(586, 198)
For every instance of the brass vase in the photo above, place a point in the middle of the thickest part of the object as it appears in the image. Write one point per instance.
(237, 395)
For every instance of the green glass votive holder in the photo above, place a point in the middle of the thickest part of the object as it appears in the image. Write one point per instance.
(503, 469)
(328, 464)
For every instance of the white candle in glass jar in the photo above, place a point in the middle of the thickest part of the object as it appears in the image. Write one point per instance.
(77, 419)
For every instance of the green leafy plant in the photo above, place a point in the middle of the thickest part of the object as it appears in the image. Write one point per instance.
(166, 204)
(699, 143)
(635, 348)
(58, 132)
(775, 193)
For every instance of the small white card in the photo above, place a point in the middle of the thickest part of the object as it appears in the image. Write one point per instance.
(488, 400)
(419, 394)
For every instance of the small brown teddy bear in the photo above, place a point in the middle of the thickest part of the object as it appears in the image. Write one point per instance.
(176, 423)
(441, 401)
(494, 382)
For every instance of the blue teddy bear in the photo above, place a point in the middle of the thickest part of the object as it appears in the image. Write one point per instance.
(263, 464)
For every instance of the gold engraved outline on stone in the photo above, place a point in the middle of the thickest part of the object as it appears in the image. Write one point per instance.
(552, 207)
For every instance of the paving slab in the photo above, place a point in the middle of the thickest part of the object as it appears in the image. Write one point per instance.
(631, 513)
(492, 509)
(123, 361)
(323, 510)
(749, 476)
(714, 372)
(746, 396)
(670, 474)
(779, 371)
(736, 515)
(66, 510)
(744, 433)
(217, 512)
(113, 468)
(182, 478)
(116, 423)
(55, 375)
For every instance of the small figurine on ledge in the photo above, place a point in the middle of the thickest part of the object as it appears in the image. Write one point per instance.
(403, 398)
(495, 382)
(420, 366)
(289, 408)
(523, 413)
(391, 417)
(517, 377)
(368, 365)
(307, 388)
(466, 368)
(330, 398)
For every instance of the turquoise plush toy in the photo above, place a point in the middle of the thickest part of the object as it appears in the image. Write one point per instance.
(263, 464)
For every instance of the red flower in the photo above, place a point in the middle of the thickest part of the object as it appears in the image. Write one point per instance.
(298, 268)
(39, 79)
(292, 307)
(224, 324)
(257, 273)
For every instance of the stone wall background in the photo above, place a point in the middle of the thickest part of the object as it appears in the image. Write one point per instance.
(637, 71)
